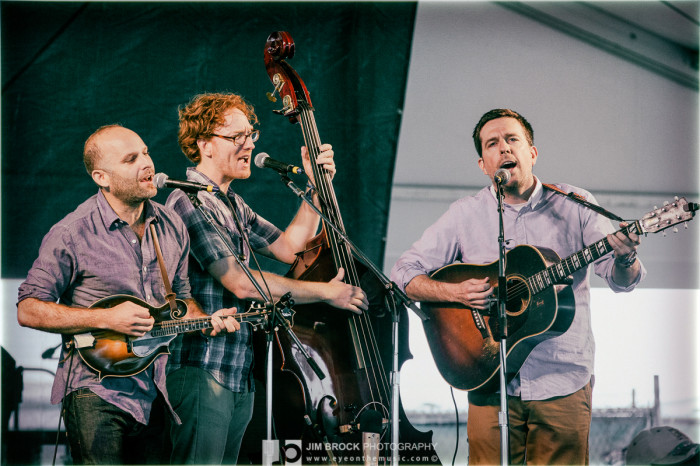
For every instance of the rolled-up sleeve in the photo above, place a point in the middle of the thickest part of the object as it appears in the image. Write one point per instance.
(437, 247)
(53, 270)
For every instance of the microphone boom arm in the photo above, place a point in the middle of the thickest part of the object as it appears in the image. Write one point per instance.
(388, 285)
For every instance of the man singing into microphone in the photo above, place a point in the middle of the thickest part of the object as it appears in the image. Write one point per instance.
(210, 381)
(106, 247)
(549, 400)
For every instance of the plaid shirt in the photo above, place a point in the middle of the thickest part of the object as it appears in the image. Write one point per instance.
(229, 357)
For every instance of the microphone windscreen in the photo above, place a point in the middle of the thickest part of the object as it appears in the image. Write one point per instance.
(159, 180)
(260, 159)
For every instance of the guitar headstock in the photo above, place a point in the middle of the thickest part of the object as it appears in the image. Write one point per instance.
(670, 215)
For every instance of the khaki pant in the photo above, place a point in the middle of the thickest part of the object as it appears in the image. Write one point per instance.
(552, 431)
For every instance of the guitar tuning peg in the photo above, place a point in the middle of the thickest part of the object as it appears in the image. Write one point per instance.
(675, 198)
(685, 224)
(663, 233)
(665, 202)
(675, 229)
(656, 207)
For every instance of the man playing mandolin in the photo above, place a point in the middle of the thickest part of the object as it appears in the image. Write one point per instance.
(549, 399)
(107, 247)
(211, 383)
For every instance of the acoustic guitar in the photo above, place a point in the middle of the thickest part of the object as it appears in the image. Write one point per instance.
(114, 354)
(465, 342)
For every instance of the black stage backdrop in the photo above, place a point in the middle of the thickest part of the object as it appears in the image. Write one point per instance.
(68, 68)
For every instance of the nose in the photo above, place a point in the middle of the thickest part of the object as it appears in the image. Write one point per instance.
(249, 144)
(146, 161)
(503, 146)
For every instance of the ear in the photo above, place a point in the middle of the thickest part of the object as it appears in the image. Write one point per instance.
(533, 153)
(204, 147)
(481, 165)
(101, 178)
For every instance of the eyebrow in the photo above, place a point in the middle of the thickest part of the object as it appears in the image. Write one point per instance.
(507, 135)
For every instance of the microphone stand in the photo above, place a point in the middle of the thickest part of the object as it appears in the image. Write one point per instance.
(276, 321)
(503, 326)
(393, 291)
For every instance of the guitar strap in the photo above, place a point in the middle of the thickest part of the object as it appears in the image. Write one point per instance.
(578, 198)
(169, 295)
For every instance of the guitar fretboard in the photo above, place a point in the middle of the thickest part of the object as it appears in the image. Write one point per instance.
(558, 273)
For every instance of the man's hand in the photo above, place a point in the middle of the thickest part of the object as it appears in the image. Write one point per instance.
(624, 246)
(129, 318)
(222, 322)
(325, 159)
(344, 296)
(474, 293)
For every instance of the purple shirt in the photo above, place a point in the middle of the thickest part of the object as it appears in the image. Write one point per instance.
(468, 232)
(92, 254)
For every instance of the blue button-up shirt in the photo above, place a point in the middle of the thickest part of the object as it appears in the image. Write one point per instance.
(468, 232)
(92, 254)
(229, 357)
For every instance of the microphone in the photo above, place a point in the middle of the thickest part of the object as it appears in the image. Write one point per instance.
(501, 176)
(161, 180)
(48, 354)
(263, 160)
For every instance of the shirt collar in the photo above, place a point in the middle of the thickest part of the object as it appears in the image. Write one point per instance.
(535, 197)
(195, 175)
(110, 217)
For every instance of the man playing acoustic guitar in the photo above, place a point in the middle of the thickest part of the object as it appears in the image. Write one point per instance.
(549, 399)
(107, 247)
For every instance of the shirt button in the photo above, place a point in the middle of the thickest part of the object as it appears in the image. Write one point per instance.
(145, 269)
(133, 241)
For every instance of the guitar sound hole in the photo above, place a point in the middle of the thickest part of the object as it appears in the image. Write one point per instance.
(518, 296)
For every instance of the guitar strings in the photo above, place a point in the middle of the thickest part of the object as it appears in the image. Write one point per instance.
(368, 350)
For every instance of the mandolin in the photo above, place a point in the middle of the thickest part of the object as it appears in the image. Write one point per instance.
(114, 354)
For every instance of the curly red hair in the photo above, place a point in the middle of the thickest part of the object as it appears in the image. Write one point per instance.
(205, 112)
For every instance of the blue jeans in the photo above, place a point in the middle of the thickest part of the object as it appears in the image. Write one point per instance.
(214, 418)
(100, 433)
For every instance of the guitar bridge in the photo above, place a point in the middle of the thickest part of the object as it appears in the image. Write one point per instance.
(479, 323)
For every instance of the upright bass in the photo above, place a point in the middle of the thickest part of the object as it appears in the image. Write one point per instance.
(347, 407)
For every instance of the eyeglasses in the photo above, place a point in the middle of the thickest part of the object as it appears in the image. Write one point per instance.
(239, 139)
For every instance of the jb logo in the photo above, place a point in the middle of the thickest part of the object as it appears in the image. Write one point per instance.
(290, 452)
